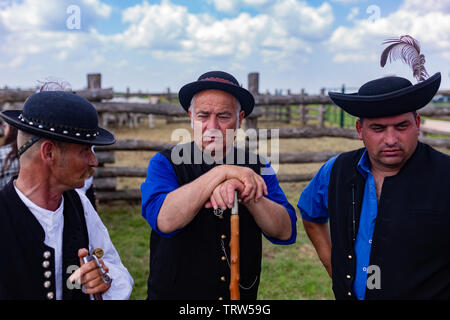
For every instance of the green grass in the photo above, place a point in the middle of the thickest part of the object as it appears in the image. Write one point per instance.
(293, 272)
(288, 272)
(130, 235)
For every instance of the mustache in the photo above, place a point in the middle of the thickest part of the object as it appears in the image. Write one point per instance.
(216, 133)
(209, 135)
(213, 133)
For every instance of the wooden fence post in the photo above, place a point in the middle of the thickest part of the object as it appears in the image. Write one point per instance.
(252, 122)
(94, 80)
(169, 119)
(322, 111)
(303, 110)
(288, 111)
(253, 87)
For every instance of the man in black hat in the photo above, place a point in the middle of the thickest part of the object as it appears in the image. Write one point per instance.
(387, 203)
(188, 193)
(47, 228)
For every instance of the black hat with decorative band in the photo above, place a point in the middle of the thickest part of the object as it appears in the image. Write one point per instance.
(59, 115)
(390, 96)
(218, 80)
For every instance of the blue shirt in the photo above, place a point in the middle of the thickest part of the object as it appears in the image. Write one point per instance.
(313, 206)
(161, 180)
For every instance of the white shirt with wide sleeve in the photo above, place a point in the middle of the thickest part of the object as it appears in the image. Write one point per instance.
(53, 223)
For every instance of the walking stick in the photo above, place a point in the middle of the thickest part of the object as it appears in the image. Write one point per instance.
(234, 251)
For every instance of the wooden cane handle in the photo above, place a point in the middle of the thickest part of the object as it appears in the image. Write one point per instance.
(234, 258)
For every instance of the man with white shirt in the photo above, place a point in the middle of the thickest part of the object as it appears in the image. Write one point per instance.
(46, 227)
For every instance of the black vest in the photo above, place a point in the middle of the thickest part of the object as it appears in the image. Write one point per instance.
(192, 263)
(27, 268)
(411, 240)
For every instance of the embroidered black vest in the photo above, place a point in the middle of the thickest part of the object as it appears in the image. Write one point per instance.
(27, 270)
(193, 264)
(411, 240)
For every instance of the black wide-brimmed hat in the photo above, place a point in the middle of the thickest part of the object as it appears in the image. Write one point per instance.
(221, 81)
(59, 115)
(388, 96)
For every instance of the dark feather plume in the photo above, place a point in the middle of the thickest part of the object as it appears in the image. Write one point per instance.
(407, 49)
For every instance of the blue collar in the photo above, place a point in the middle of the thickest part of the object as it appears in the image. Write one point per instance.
(364, 165)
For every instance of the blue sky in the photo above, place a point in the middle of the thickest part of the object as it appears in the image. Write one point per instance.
(152, 45)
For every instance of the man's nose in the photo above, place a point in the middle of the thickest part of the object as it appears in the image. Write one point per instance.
(92, 160)
(390, 137)
(213, 122)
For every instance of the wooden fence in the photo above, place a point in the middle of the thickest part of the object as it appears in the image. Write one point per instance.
(105, 177)
(268, 108)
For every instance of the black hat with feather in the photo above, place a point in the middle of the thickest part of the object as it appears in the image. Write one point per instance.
(391, 96)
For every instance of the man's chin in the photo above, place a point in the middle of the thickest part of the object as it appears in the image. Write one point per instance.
(78, 184)
(392, 161)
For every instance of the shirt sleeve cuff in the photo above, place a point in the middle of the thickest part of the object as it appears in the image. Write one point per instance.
(310, 219)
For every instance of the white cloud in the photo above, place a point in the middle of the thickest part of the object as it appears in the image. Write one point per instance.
(35, 15)
(354, 57)
(31, 28)
(226, 5)
(281, 33)
(347, 1)
(421, 6)
(101, 9)
(446, 55)
(256, 2)
(352, 14)
(302, 20)
(283, 29)
(232, 6)
(157, 26)
(429, 25)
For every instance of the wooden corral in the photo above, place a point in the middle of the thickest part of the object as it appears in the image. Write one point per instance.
(309, 111)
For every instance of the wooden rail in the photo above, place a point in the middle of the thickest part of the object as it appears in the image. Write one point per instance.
(105, 177)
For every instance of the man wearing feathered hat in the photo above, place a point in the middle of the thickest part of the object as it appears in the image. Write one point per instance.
(46, 227)
(188, 193)
(387, 204)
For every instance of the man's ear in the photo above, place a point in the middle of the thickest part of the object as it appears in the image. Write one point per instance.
(418, 124)
(48, 151)
(241, 117)
(359, 128)
(191, 115)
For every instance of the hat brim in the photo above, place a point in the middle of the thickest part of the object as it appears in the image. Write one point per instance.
(103, 138)
(393, 103)
(244, 96)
